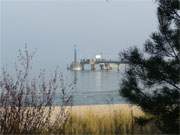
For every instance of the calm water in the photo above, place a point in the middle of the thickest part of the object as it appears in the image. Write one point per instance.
(95, 87)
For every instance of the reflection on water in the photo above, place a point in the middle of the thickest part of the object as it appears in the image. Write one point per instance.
(97, 87)
(75, 77)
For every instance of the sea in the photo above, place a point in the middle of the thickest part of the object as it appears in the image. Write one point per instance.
(93, 87)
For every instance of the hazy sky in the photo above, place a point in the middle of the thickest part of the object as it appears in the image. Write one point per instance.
(54, 26)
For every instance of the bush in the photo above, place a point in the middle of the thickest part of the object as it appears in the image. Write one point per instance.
(26, 102)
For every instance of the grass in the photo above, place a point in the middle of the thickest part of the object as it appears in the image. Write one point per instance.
(97, 120)
(108, 119)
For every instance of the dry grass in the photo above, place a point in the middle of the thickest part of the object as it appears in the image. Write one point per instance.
(108, 119)
(98, 120)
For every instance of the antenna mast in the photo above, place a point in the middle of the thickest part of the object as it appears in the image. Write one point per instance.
(75, 54)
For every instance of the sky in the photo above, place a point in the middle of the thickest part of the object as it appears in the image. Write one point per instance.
(53, 27)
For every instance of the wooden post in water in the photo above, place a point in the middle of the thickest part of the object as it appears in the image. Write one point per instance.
(101, 66)
(93, 67)
(82, 66)
(118, 67)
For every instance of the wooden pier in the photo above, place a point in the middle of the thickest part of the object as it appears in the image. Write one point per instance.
(103, 63)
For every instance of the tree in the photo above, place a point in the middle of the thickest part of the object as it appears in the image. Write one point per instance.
(152, 80)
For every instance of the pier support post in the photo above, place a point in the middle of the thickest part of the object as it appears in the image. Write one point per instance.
(93, 67)
(82, 66)
(101, 66)
(118, 67)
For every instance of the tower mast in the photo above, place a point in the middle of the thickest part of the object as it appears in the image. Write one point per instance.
(75, 54)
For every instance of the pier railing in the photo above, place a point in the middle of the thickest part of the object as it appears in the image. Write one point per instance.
(103, 61)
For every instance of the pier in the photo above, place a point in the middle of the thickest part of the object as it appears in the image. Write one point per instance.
(104, 64)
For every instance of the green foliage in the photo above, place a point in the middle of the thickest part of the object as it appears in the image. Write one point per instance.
(153, 78)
